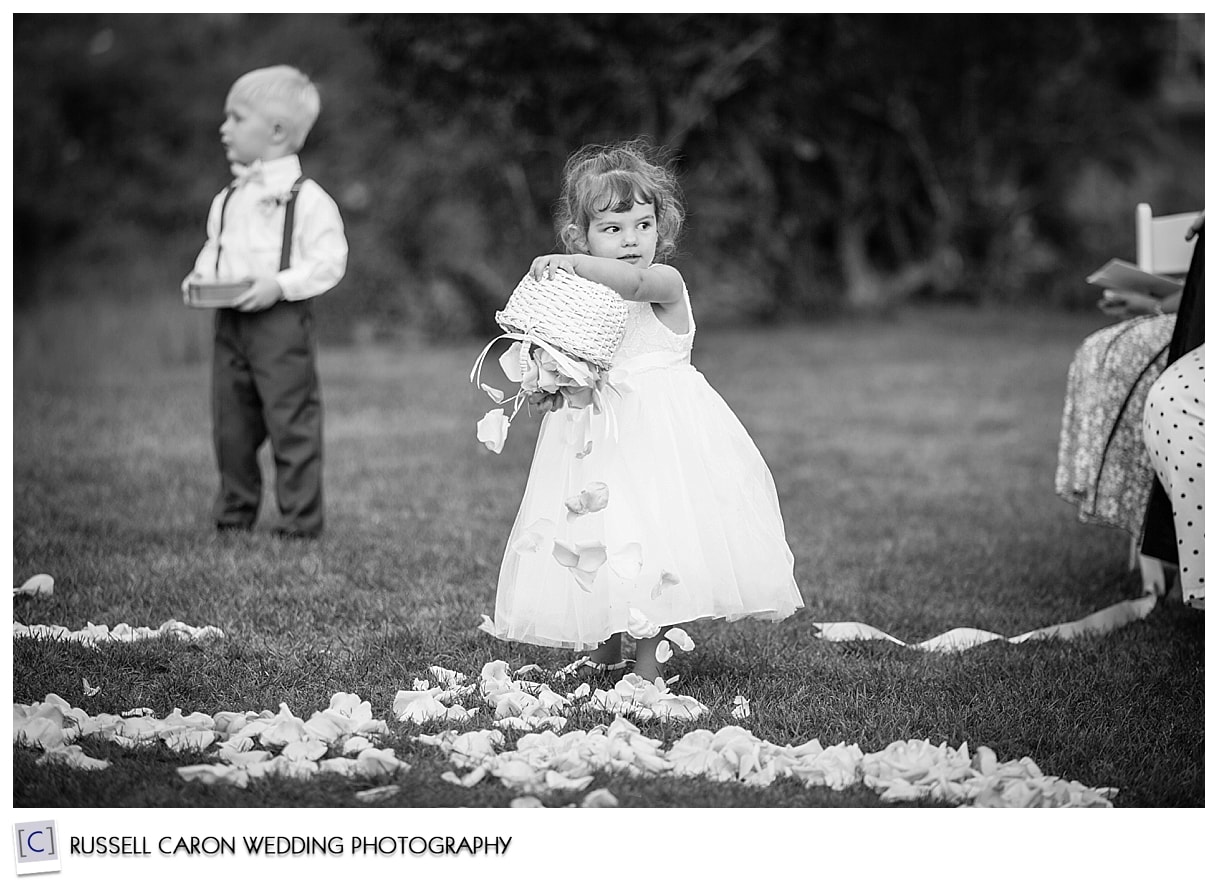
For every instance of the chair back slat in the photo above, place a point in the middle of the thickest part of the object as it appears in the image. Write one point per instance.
(1161, 247)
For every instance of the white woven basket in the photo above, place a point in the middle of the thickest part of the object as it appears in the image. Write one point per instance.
(584, 319)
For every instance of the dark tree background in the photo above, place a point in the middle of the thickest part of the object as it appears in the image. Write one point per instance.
(830, 162)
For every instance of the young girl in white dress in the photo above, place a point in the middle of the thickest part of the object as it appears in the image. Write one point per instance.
(674, 490)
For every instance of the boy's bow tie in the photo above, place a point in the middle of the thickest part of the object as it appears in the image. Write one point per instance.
(246, 174)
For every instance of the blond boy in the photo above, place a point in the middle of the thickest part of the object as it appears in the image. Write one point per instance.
(283, 232)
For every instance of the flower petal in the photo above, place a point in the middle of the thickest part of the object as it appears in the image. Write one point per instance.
(41, 585)
(667, 580)
(493, 429)
(565, 554)
(595, 496)
(663, 651)
(378, 794)
(639, 626)
(510, 363)
(627, 561)
(592, 556)
(679, 637)
(495, 394)
(74, 756)
(536, 537)
(599, 799)
(304, 750)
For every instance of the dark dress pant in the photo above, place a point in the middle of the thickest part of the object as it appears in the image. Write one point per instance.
(264, 386)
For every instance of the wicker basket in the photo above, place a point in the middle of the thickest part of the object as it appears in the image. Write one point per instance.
(584, 319)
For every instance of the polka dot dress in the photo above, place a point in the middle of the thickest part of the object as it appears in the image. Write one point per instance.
(1174, 427)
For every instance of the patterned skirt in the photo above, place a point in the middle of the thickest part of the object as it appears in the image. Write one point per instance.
(1102, 464)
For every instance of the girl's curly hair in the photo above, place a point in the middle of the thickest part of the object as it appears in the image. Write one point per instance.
(615, 177)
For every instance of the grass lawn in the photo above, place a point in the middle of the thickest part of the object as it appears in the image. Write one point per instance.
(914, 460)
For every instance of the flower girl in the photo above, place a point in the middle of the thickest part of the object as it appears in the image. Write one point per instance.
(654, 507)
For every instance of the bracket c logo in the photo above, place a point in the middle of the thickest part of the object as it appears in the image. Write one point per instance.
(36, 846)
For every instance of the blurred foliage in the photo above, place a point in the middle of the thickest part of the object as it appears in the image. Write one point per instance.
(829, 161)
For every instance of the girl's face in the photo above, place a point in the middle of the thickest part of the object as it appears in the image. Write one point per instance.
(245, 133)
(624, 235)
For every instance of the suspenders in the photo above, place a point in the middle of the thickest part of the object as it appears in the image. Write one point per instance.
(289, 217)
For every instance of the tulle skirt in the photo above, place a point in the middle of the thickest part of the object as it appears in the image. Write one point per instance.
(658, 508)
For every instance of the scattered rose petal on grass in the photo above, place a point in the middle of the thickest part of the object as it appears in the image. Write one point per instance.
(346, 766)
(215, 774)
(378, 794)
(740, 707)
(374, 761)
(545, 761)
(558, 781)
(41, 585)
(284, 728)
(73, 756)
(92, 634)
(468, 780)
(43, 732)
(90, 691)
(446, 677)
(243, 757)
(304, 750)
(418, 706)
(493, 429)
(327, 727)
(188, 739)
(599, 799)
(355, 744)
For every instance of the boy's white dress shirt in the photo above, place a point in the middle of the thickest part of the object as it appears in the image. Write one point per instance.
(253, 233)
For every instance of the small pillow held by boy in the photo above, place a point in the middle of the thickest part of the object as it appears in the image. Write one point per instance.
(282, 234)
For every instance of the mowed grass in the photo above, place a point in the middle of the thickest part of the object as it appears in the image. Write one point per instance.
(914, 460)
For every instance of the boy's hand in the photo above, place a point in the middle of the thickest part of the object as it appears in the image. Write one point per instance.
(195, 276)
(548, 265)
(263, 294)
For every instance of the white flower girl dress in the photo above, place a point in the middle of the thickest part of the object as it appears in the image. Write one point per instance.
(657, 506)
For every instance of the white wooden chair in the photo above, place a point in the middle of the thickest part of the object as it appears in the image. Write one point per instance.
(1160, 243)
(1161, 248)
